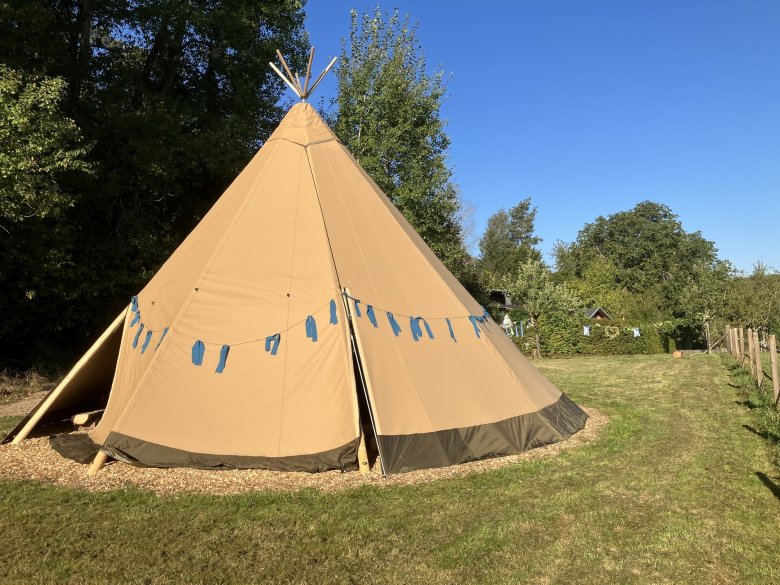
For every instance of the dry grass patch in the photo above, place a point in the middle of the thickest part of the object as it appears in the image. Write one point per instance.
(29, 387)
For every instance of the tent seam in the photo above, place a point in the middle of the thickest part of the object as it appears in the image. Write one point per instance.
(289, 303)
(183, 311)
(373, 285)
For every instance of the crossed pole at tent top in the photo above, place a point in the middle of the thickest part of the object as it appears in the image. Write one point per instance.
(293, 80)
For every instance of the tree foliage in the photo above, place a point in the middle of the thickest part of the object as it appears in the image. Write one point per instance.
(38, 145)
(641, 264)
(388, 115)
(175, 96)
(533, 288)
(647, 245)
(754, 300)
(509, 240)
(702, 305)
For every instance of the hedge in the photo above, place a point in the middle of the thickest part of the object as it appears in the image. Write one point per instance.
(562, 335)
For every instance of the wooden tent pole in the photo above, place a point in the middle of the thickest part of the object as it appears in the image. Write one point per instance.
(363, 454)
(289, 73)
(308, 74)
(357, 348)
(298, 84)
(49, 400)
(97, 463)
(289, 84)
(316, 83)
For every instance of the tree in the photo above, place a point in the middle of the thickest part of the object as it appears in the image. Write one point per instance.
(646, 254)
(647, 244)
(704, 300)
(597, 288)
(38, 144)
(388, 115)
(532, 286)
(754, 300)
(509, 240)
(176, 97)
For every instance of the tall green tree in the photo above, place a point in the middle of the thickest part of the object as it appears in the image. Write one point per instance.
(647, 245)
(38, 146)
(754, 299)
(532, 287)
(646, 253)
(388, 115)
(703, 303)
(509, 240)
(175, 96)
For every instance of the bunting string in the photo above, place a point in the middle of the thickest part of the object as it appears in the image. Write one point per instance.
(272, 342)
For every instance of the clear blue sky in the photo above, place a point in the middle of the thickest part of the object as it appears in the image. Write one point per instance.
(589, 107)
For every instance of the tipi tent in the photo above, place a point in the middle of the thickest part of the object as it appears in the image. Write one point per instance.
(301, 312)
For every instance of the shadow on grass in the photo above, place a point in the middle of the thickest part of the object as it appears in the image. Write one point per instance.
(770, 485)
(763, 434)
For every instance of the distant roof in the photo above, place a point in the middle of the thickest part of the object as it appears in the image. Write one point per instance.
(593, 312)
(501, 298)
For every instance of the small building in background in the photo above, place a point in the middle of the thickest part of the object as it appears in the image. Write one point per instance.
(502, 299)
(597, 313)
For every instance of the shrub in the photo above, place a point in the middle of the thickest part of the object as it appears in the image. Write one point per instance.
(562, 335)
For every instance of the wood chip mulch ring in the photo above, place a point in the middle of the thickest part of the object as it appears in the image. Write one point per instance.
(34, 459)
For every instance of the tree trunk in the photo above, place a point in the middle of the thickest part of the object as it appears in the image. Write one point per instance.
(84, 21)
(535, 322)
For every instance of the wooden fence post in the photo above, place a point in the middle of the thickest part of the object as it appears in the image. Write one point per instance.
(773, 361)
(759, 361)
(751, 353)
(734, 341)
(741, 345)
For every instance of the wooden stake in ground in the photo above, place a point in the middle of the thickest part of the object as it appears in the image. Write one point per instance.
(727, 339)
(734, 342)
(773, 361)
(751, 355)
(363, 454)
(759, 361)
(99, 461)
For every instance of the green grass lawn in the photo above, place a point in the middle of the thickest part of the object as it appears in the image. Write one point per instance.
(680, 488)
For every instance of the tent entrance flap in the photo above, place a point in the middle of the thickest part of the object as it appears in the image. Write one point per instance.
(85, 387)
(365, 409)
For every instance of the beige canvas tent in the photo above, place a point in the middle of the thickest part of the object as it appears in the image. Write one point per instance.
(302, 312)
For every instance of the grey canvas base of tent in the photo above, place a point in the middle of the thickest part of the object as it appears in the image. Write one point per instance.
(551, 424)
(76, 446)
(137, 452)
(400, 453)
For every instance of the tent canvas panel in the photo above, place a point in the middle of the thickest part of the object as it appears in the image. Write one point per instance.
(293, 403)
(271, 270)
(430, 391)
